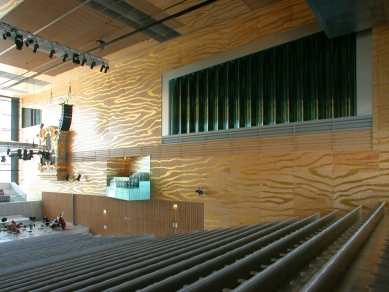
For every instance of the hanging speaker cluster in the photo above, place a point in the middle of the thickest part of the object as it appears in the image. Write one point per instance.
(66, 119)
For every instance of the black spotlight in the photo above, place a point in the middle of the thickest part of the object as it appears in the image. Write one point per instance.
(65, 57)
(30, 154)
(8, 151)
(106, 69)
(25, 155)
(102, 68)
(52, 52)
(29, 42)
(83, 62)
(67, 177)
(93, 64)
(76, 59)
(19, 154)
(78, 177)
(19, 42)
(36, 47)
(3, 159)
(6, 35)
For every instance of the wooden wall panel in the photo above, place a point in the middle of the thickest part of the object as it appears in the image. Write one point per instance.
(249, 180)
(245, 187)
(123, 217)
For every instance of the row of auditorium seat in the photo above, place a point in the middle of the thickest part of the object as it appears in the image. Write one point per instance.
(46, 247)
(380, 277)
(260, 257)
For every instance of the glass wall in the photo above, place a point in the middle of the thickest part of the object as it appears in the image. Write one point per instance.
(9, 130)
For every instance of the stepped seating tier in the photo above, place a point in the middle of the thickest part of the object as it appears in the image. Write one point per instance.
(293, 255)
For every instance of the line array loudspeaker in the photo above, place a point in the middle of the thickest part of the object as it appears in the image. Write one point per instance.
(66, 119)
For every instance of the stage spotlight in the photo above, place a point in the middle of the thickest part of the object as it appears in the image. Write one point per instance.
(6, 35)
(78, 177)
(30, 154)
(29, 42)
(52, 52)
(65, 57)
(8, 151)
(19, 154)
(67, 177)
(83, 62)
(76, 59)
(19, 42)
(106, 69)
(3, 159)
(36, 47)
(25, 156)
(93, 64)
(102, 68)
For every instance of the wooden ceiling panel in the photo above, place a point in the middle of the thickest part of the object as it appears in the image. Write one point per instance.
(94, 26)
(32, 15)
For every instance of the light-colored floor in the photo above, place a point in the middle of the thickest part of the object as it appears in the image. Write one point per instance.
(358, 276)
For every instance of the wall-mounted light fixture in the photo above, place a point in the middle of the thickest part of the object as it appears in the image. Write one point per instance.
(200, 191)
(175, 206)
(105, 211)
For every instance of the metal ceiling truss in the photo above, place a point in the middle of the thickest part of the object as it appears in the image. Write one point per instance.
(24, 38)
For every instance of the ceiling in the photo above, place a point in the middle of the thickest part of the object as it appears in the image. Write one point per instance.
(340, 17)
(81, 26)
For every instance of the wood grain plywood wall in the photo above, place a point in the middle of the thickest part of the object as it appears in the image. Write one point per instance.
(123, 217)
(381, 107)
(245, 181)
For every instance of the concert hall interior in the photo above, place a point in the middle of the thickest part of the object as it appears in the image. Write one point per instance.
(158, 118)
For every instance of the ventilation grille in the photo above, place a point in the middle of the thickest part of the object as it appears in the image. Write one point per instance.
(309, 127)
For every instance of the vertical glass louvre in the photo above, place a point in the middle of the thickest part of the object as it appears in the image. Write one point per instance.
(308, 79)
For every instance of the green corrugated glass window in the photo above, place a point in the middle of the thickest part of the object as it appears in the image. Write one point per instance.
(308, 79)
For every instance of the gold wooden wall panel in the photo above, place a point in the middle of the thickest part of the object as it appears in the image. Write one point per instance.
(381, 105)
(245, 181)
(123, 217)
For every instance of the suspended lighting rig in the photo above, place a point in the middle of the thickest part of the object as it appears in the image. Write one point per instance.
(24, 38)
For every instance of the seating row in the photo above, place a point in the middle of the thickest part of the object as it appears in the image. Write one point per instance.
(258, 257)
